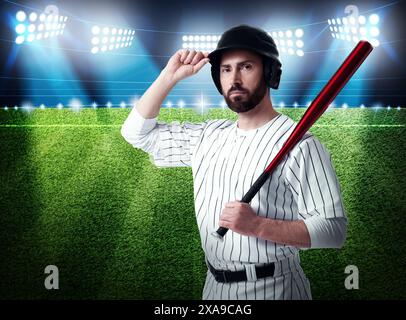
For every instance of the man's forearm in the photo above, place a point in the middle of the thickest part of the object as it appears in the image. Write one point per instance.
(150, 103)
(293, 233)
(182, 64)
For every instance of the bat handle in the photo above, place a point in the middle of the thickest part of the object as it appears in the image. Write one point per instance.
(221, 231)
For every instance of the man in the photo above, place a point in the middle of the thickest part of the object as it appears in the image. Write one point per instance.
(299, 206)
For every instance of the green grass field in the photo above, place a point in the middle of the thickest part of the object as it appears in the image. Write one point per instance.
(74, 194)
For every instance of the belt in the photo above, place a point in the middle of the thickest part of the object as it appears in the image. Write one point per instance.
(236, 276)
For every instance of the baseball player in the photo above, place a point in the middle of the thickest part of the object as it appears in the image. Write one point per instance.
(299, 206)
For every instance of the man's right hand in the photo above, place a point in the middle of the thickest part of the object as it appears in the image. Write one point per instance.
(182, 64)
(185, 63)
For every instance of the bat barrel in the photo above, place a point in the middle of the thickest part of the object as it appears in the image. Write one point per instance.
(313, 112)
(324, 98)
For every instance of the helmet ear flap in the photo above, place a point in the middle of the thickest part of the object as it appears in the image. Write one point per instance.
(276, 77)
(215, 74)
(272, 73)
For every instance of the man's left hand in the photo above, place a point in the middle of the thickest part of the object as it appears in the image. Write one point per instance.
(241, 218)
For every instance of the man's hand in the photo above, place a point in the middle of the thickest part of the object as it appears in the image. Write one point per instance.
(241, 218)
(185, 63)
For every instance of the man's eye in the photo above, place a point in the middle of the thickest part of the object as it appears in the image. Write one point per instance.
(225, 70)
(247, 66)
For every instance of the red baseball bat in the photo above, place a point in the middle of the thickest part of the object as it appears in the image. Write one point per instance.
(313, 112)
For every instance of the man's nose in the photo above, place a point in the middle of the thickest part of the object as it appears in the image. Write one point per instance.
(236, 79)
(236, 76)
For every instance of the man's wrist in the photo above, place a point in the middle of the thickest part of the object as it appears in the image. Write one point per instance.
(167, 79)
(264, 226)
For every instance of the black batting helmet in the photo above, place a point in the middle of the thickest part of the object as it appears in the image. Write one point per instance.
(253, 39)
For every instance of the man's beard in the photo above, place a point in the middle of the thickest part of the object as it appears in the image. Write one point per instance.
(247, 101)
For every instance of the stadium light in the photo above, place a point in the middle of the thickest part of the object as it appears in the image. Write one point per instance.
(75, 105)
(27, 106)
(21, 16)
(223, 104)
(289, 41)
(201, 104)
(169, 104)
(200, 42)
(353, 30)
(374, 19)
(122, 105)
(38, 28)
(181, 104)
(109, 105)
(398, 108)
(110, 38)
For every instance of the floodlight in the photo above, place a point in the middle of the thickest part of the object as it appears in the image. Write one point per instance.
(20, 39)
(299, 33)
(21, 16)
(181, 104)
(95, 29)
(359, 28)
(120, 37)
(34, 26)
(33, 16)
(20, 29)
(374, 31)
(199, 42)
(374, 19)
(290, 41)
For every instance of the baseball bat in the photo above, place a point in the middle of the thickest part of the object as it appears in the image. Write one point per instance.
(313, 112)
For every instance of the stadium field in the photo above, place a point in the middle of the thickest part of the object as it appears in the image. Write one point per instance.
(74, 194)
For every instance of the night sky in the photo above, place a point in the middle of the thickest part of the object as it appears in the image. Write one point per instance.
(159, 27)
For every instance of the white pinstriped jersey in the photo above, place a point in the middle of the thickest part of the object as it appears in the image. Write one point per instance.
(226, 161)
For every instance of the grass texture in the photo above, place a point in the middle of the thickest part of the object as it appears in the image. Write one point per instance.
(74, 194)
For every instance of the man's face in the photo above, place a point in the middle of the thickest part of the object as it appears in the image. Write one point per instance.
(242, 79)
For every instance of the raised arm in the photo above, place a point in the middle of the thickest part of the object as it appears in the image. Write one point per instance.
(182, 64)
(170, 145)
